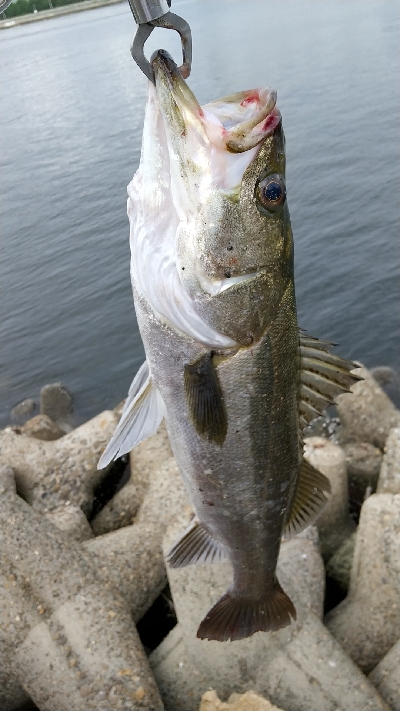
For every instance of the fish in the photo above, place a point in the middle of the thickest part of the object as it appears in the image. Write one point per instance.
(226, 364)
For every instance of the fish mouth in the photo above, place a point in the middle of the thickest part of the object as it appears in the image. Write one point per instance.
(217, 286)
(178, 102)
(235, 123)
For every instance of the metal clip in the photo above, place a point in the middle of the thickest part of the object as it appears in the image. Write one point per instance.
(154, 9)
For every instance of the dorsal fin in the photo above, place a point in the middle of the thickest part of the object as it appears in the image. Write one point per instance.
(204, 399)
(309, 499)
(323, 376)
(196, 545)
(141, 417)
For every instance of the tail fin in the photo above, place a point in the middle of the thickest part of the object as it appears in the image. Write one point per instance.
(235, 617)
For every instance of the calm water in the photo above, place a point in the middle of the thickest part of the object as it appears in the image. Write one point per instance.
(72, 104)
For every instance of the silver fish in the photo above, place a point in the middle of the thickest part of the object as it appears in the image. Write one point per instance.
(228, 368)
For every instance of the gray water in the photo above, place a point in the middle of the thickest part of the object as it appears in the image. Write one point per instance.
(72, 104)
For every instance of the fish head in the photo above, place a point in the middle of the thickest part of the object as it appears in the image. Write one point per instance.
(227, 187)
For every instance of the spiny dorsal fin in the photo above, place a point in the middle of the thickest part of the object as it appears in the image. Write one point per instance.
(204, 399)
(313, 342)
(309, 499)
(195, 545)
(141, 417)
(323, 376)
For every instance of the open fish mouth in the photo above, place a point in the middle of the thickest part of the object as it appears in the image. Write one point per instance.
(235, 123)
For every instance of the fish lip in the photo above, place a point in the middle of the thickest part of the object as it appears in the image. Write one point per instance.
(167, 73)
(161, 59)
(214, 287)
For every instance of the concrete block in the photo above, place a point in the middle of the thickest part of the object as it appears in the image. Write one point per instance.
(72, 646)
(363, 462)
(386, 677)
(72, 521)
(144, 460)
(389, 381)
(339, 566)
(389, 477)
(300, 668)
(23, 409)
(367, 622)
(366, 414)
(131, 559)
(42, 427)
(56, 402)
(49, 474)
(17, 615)
(334, 523)
(87, 655)
(250, 701)
(120, 511)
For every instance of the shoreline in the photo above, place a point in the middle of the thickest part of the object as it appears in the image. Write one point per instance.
(55, 12)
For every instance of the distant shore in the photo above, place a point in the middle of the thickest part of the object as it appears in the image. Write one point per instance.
(54, 12)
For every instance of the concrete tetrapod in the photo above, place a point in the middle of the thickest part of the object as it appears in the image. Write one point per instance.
(72, 646)
(334, 523)
(130, 559)
(386, 677)
(50, 473)
(367, 622)
(145, 459)
(366, 414)
(389, 476)
(300, 668)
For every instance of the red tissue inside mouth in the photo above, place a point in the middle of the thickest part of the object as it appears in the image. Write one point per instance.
(252, 97)
(270, 122)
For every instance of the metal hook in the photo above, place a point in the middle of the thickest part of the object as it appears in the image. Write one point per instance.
(170, 22)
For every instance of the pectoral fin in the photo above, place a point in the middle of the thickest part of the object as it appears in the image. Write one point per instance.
(141, 417)
(309, 499)
(323, 376)
(205, 401)
(196, 545)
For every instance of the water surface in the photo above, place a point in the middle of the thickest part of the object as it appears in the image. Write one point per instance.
(72, 103)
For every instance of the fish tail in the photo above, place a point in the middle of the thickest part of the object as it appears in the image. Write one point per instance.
(236, 617)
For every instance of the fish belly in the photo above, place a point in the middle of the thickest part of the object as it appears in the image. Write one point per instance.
(240, 490)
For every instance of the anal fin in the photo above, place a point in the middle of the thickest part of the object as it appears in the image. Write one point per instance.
(196, 545)
(309, 499)
(205, 400)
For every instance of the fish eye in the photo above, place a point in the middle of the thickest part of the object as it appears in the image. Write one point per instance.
(270, 193)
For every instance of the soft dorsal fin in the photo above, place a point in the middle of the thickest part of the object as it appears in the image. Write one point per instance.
(141, 417)
(309, 499)
(204, 399)
(323, 376)
(196, 545)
